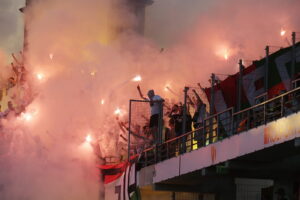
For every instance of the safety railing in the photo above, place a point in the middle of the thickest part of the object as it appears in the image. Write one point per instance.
(223, 125)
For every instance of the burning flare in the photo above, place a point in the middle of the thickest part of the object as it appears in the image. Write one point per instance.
(27, 116)
(137, 78)
(88, 138)
(117, 111)
(40, 76)
(51, 56)
(282, 32)
(226, 55)
(223, 52)
(102, 101)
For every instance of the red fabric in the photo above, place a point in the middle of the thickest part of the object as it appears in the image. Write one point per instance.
(112, 172)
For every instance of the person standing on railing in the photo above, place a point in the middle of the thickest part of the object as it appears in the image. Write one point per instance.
(198, 120)
(156, 106)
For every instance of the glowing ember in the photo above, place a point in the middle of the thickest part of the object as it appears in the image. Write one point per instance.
(51, 56)
(117, 111)
(102, 101)
(88, 138)
(282, 32)
(137, 78)
(40, 76)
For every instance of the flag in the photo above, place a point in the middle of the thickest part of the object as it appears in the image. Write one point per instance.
(253, 80)
(120, 181)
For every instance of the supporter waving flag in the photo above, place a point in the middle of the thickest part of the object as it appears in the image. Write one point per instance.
(120, 181)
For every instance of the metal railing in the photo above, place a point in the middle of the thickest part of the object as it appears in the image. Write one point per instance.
(223, 125)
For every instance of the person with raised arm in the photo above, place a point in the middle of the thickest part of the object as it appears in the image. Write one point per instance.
(156, 106)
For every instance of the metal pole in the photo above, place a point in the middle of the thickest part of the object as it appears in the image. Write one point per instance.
(160, 123)
(186, 89)
(293, 58)
(240, 85)
(267, 70)
(129, 130)
(182, 140)
(212, 95)
(212, 104)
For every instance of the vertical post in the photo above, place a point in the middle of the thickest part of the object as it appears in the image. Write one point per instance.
(212, 95)
(293, 58)
(160, 124)
(267, 70)
(186, 89)
(212, 105)
(183, 138)
(129, 129)
(240, 85)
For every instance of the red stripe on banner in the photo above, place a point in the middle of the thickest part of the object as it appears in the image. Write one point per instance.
(112, 172)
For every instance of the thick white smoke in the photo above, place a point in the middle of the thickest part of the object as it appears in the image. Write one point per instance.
(78, 56)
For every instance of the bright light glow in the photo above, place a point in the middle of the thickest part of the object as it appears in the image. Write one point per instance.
(226, 56)
(102, 101)
(93, 73)
(117, 111)
(27, 116)
(88, 138)
(167, 87)
(137, 78)
(223, 52)
(40, 76)
(282, 32)
(51, 56)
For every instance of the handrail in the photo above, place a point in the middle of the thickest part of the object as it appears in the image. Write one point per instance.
(266, 119)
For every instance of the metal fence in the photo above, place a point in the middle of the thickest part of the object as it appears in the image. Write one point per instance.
(223, 125)
(139, 125)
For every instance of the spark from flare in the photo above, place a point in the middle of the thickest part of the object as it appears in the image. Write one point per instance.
(282, 32)
(27, 116)
(223, 52)
(102, 101)
(93, 73)
(40, 76)
(117, 111)
(226, 56)
(51, 56)
(88, 138)
(137, 78)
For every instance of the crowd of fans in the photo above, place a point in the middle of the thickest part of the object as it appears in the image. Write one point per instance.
(15, 92)
(170, 115)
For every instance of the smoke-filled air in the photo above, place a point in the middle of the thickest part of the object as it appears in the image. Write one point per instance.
(83, 63)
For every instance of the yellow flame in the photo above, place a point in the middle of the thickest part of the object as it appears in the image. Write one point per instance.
(137, 78)
(51, 56)
(102, 101)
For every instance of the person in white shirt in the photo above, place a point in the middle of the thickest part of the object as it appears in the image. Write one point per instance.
(156, 106)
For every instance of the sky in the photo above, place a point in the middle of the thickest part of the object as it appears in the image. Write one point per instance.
(158, 14)
(11, 25)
